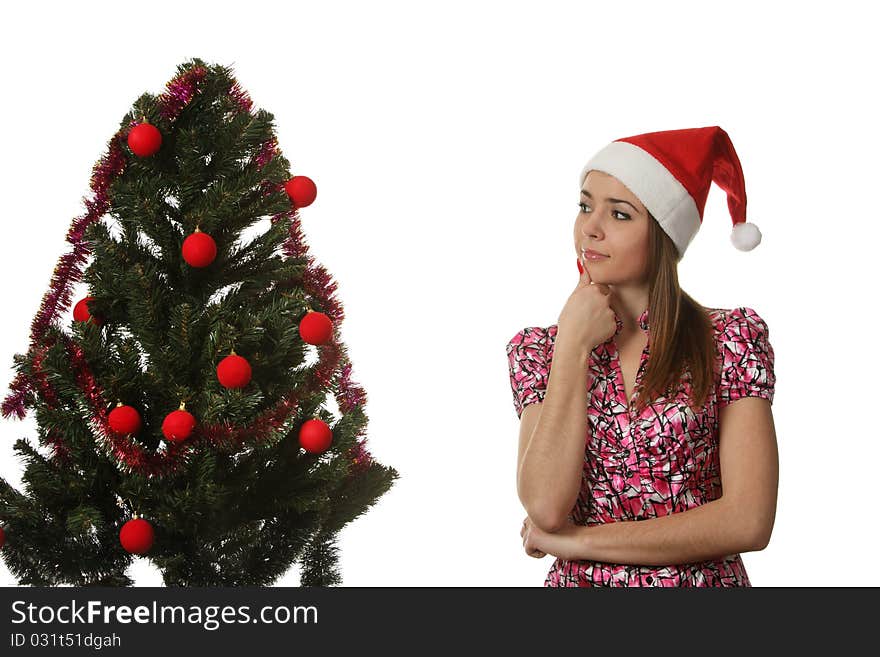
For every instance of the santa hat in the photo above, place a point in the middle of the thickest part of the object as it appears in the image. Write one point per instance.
(670, 172)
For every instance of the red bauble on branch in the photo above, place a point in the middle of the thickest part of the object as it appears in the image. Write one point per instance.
(136, 536)
(301, 190)
(199, 249)
(315, 327)
(2, 537)
(315, 436)
(81, 312)
(144, 139)
(124, 420)
(234, 371)
(178, 425)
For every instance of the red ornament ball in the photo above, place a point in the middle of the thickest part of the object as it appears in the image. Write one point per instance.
(144, 139)
(315, 436)
(315, 327)
(136, 536)
(301, 190)
(124, 420)
(234, 372)
(199, 249)
(81, 312)
(178, 425)
(2, 537)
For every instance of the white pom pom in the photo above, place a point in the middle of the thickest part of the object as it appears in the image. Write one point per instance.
(745, 236)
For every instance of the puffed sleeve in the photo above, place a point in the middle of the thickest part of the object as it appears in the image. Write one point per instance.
(528, 354)
(746, 357)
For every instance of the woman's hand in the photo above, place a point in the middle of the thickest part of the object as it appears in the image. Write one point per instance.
(587, 319)
(564, 543)
(530, 535)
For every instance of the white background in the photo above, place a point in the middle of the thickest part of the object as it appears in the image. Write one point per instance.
(446, 141)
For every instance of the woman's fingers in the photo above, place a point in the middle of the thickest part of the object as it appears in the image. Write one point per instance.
(584, 278)
(532, 552)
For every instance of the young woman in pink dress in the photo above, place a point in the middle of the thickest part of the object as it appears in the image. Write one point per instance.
(639, 402)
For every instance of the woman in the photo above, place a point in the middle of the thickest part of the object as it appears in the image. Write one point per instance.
(639, 402)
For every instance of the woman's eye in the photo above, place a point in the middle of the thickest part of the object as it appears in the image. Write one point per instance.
(583, 207)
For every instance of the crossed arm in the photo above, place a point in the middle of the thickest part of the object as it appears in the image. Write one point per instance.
(741, 520)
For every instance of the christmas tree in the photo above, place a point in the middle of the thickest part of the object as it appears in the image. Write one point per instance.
(186, 411)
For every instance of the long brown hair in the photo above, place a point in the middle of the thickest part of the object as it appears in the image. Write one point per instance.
(680, 330)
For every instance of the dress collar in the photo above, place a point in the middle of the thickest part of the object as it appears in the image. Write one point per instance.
(643, 322)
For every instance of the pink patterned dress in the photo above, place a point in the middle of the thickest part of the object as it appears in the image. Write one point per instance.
(664, 460)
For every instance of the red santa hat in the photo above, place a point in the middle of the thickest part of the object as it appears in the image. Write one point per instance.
(671, 171)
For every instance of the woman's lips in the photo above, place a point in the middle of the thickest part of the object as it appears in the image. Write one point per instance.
(592, 255)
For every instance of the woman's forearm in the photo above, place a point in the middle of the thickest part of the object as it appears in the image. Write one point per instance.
(709, 531)
(551, 470)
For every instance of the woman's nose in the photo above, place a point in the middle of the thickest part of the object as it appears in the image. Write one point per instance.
(590, 226)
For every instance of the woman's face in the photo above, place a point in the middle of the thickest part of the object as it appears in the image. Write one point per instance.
(613, 222)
